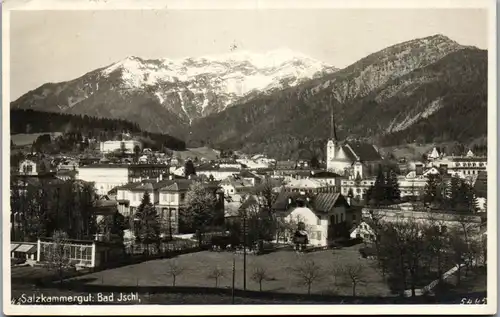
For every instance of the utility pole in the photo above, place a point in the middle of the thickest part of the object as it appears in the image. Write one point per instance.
(244, 251)
(234, 267)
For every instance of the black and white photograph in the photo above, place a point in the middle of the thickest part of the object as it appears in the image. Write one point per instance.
(332, 158)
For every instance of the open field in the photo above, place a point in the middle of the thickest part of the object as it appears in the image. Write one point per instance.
(411, 151)
(278, 265)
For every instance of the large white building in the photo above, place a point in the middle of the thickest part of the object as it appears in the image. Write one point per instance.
(128, 146)
(108, 176)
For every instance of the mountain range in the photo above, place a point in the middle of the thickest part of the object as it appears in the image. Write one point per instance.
(429, 89)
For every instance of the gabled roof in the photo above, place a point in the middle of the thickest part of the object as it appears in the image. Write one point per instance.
(361, 151)
(325, 202)
(324, 174)
(321, 202)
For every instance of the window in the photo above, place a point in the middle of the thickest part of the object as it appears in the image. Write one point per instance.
(341, 217)
(318, 235)
(336, 219)
(353, 218)
(318, 222)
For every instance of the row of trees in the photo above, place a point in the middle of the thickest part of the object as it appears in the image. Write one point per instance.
(441, 192)
(455, 195)
(411, 253)
(37, 210)
(306, 272)
(385, 190)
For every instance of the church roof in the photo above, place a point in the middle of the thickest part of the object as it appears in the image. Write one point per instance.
(361, 151)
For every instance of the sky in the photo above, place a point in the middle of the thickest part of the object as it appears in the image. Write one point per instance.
(55, 46)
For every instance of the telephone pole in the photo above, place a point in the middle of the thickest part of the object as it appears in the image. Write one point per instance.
(234, 267)
(244, 251)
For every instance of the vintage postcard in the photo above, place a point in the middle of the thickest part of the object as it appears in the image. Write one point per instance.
(249, 157)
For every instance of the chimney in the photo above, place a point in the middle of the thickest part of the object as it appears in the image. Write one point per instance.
(289, 201)
(161, 177)
(419, 169)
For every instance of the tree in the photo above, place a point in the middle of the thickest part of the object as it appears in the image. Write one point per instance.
(216, 274)
(112, 227)
(458, 248)
(137, 153)
(378, 191)
(147, 223)
(174, 269)
(307, 273)
(314, 162)
(58, 253)
(189, 169)
(351, 272)
(200, 211)
(259, 275)
(436, 242)
(393, 192)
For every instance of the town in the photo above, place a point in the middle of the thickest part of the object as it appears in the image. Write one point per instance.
(219, 161)
(122, 204)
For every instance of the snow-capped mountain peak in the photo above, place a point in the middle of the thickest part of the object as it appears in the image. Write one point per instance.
(198, 86)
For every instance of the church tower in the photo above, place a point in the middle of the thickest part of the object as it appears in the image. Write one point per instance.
(332, 144)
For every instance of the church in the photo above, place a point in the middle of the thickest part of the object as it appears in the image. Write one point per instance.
(353, 159)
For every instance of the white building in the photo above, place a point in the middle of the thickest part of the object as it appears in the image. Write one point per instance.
(322, 214)
(356, 159)
(112, 146)
(108, 176)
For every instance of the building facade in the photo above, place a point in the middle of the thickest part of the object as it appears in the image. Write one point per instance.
(128, 146)
(108, 176)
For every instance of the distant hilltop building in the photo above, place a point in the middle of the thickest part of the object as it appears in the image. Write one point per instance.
(128, 146)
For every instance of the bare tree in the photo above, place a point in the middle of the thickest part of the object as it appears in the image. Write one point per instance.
(216, 274)
(259, 275)
(458, 248)
(174, 269)
(307, 272)
(351, 272)
(436, 241)
(58, 252)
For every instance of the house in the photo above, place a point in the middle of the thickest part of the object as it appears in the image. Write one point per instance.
(128, 146)
(168, 197)
(23, 250)
(108, 176)
(81, 253)
(236, 205)
(463, 166)
(68, 165)
(216, 171)
(234, 184)
(66, 174)
(306, 185)
(434, 154)
(327, 178)
(323, 214)
(37, 167)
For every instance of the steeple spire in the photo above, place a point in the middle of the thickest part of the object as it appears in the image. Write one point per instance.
(333, 131)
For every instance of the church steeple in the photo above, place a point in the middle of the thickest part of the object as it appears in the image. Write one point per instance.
(333, 130)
